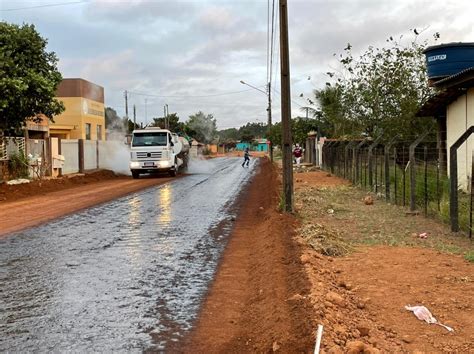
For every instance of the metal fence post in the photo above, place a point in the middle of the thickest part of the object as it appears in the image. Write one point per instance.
(346, 159)
(472, 187)
(395, 174)
(426, 179)
(413, 172)
(453, 177)
(369, 158)
(387, 167)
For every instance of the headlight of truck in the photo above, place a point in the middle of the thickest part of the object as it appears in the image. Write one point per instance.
(134, 164)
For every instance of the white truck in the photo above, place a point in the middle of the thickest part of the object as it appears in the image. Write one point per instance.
(157, 150)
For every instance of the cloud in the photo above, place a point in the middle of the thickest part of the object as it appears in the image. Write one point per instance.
(191, 48)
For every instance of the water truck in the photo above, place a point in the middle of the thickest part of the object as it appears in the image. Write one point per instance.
(155, 150)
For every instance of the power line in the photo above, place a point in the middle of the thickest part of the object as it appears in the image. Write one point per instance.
(272, 41)
(268, 39)
(46, 5)
(188, 96)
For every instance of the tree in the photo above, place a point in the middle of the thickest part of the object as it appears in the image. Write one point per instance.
(257, 130)
(28, 77)
(228, 135)
(201, 127)
(300, 127)
(174, 124)
(381, 91)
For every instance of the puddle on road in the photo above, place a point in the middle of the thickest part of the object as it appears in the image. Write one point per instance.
(128, 275)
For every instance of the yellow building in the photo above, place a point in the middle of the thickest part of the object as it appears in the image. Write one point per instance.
(84, 116)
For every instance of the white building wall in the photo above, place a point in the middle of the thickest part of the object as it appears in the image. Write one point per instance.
(460, 117)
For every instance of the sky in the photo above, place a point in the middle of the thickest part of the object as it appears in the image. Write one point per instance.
(192, 55)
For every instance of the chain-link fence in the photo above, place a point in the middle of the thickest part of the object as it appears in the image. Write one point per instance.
(411, 173)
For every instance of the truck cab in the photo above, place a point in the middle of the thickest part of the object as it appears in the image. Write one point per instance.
(154, 150)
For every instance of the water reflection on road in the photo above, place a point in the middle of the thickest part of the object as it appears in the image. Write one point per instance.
(115, 276)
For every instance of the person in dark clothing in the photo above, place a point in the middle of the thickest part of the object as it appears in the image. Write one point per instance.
(246, 157)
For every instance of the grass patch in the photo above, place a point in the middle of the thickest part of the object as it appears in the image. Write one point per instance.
(469, 256)
(335, 219)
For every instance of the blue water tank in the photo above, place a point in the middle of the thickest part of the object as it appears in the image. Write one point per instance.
(448, 59)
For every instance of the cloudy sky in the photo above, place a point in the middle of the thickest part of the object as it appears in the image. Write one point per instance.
(192, 54)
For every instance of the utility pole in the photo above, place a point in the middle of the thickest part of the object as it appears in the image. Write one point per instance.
(167, 117)
(286, 108)
(125, 94)
(269, 109)
(134, 117)
(146, 117)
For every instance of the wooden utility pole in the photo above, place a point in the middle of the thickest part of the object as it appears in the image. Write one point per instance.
(134, 116)
(125, 94)
(286, 109)
(269, 109)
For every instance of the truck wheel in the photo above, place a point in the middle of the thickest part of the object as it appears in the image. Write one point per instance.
(173, 172)
(135, 174)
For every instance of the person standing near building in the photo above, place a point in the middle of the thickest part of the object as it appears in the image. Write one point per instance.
(246, 157)
(298, 153)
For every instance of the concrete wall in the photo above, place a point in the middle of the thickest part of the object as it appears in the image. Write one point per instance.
(90, 155)
(70, 151)
(460, 116)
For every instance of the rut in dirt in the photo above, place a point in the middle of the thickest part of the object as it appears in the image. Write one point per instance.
(113, 276)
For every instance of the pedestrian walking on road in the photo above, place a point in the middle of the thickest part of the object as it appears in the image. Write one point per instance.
(246, 157)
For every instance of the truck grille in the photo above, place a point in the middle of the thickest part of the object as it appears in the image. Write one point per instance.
(149, 155)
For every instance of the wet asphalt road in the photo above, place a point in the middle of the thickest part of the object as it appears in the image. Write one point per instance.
(128, 275)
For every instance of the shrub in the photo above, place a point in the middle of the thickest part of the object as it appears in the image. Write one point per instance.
(18, 165)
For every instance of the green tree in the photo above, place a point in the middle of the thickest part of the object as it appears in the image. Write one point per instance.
(300, 127)
(228, 135)
(381, 91)
(202, 127)
(257, 130)
(28, 77)
(174, 124)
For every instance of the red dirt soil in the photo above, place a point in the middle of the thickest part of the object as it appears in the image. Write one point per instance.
(360, 298)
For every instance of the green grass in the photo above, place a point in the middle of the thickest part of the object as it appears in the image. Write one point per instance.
(469, 256)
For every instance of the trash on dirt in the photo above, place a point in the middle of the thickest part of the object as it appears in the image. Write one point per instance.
(330, 211)
(423, 314)
(423, 235)
(368, 200)
(18, 181)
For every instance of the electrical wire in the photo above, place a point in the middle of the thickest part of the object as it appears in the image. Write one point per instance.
(188, 96)
(46, 5)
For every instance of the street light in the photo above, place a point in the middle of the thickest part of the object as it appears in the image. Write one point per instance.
(269, 110)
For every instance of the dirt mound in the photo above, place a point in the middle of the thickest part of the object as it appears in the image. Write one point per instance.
(45, 186)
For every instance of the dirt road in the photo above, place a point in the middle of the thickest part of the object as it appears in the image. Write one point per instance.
(36, 204)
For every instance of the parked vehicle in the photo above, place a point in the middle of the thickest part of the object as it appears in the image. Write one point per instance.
(157, 150)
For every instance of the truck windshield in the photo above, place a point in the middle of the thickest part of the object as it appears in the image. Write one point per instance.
(150, 139)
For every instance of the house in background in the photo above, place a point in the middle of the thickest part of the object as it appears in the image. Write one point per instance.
(84, 116)
(262, 145)
(451, 72)
(242, 145)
